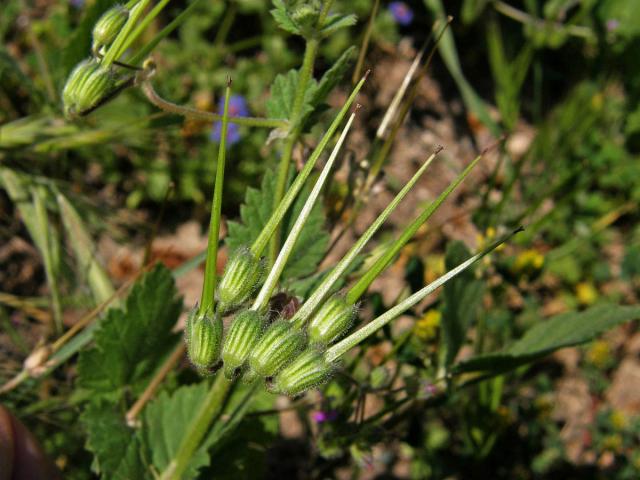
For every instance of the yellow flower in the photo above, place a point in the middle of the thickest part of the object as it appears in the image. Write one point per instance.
(618, 419)
(427, 327)
(612, 443)
(528, 262)
(599, 354)
(586, 293)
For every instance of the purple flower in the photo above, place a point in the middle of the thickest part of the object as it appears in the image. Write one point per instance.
(612, 25)
(77, 3)
(427, 389)
(237, 108)
(401, 12)
(321, 416)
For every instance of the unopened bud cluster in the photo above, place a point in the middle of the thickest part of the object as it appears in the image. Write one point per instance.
(91, 81)
(291, 360)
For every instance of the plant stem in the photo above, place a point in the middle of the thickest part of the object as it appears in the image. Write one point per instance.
(210, 273)
(306, 73)
(195, 114)
(365, 43)
(155, 382)
(269, 229)
(199, 426)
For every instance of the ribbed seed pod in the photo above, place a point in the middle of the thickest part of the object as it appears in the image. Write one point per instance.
(277, 348)
(108, 26)
(203, 336)
(87, 84)
(332, 321)
(241, 338)
(241, 276)
(307, 371)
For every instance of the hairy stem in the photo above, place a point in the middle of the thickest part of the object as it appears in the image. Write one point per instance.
(195, 114)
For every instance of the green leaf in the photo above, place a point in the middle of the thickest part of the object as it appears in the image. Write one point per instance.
(462, 297)
(131, 342)
(255, 213)
(283, 92)
(115, 445)
(282, 18)
(242, 455)
(564, 330)
(166, 420)
(85, 251)
(336, 22)
(332, 77)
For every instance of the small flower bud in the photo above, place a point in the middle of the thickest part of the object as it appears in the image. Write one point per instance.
(309, 370)
(241, 338)
(241, 276)
(332, 321)
(108, 26)
(203, 335)
(278, 347)
(87, 84)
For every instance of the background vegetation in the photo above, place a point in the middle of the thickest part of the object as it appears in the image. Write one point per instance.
(84, 203)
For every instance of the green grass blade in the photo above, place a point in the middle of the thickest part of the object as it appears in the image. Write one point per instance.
(447, 48)
(84, 250)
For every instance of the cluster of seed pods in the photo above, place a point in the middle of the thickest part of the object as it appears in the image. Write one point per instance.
(290, 359)
(91, 81)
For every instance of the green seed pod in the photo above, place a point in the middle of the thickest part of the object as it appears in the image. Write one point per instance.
(241, 276)
(241, 338)
(309, 370)
(108, 26)
(278, 347)
(87, 84)
(331, 322)
(203, 336)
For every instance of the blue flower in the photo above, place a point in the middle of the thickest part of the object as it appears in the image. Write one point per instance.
(77, 3)
(237, 108)
(401, 12)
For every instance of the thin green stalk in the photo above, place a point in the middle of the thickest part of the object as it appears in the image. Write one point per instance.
(276, 217)
(412, 87)
(210, 408)
(50, 258)
(262, 300)
(365, 42)
(357, 337)
(196, 114)
(210, 274)
(306, 73)
(175, 23)
(321, 292)
(383, 262)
